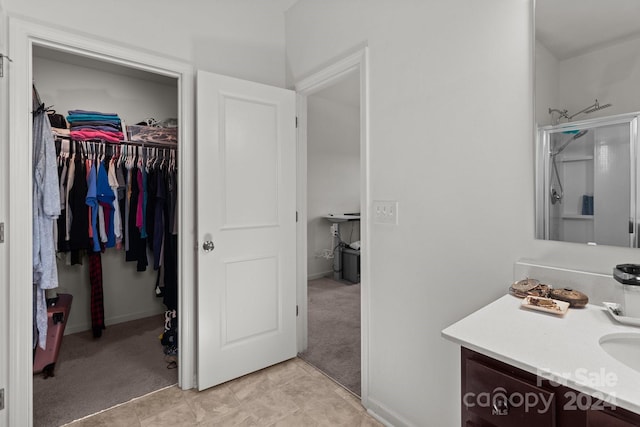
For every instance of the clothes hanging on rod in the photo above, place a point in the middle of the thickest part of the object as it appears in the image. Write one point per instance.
(113, 172)
(110, 193)
(136, 247)
(46, 209)
(97, 298)
(126, 197)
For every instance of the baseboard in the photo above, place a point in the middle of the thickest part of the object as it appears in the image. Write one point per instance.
(384, 415)
(315, 276)
(72, 329)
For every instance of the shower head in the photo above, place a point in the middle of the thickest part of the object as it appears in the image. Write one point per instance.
(568, 141)
(580, 134)
(597, 107)
(591, 108)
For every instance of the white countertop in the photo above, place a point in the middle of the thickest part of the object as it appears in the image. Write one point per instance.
(564, 349)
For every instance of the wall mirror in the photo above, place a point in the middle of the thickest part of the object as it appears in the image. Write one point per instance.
(587, 107)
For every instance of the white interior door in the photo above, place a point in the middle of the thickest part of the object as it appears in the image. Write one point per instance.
(246, 227)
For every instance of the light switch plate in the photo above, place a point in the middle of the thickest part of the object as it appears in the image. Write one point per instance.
(385, 212)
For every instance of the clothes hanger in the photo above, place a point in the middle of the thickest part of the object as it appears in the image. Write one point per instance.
(140, 161)
(172, 162)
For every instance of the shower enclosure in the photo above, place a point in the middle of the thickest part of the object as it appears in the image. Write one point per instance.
(586, 183)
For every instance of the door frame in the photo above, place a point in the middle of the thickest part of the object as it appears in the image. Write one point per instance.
(355, 62)
(4, 212)
(23, 36)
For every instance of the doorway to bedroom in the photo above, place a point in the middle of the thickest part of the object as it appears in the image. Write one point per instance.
(333, 207)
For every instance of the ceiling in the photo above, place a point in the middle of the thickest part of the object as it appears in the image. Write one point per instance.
(572, 27)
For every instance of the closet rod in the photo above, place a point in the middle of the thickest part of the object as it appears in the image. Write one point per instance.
(137, 143)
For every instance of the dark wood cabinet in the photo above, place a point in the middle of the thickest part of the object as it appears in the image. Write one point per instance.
(609, 419)
(495, 394)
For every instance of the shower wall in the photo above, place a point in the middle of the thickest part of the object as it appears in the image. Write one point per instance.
(612, 185)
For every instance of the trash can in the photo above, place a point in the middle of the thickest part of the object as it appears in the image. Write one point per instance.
(351, 265)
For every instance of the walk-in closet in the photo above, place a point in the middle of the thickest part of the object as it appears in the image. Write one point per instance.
(120, 336)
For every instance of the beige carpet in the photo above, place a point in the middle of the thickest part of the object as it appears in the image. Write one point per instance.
(96, 374)
(334, 331)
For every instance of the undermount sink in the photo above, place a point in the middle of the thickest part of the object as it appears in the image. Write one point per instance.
(624, 347)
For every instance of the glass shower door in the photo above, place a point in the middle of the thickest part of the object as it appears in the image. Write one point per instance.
(589, 190)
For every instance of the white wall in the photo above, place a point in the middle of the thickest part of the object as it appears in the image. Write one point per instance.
(546, 85)
(451, 140)
(128, 294)
(243, 39)
(333, 176)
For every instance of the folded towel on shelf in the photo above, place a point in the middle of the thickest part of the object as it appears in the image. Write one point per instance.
(100, 127)
(88, 134)
(108, 126)
(96, 118)
(90, 113)
(88, 125)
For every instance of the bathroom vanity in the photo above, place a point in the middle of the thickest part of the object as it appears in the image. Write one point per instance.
(526, 368)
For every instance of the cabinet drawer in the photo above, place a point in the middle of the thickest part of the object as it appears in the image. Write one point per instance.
(504, 400)
(607, 419)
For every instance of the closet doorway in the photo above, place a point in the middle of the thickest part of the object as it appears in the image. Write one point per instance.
(171, 80)
(334, 197)
(112, 330)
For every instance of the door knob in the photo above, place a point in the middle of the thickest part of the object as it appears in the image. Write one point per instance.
(208, 246)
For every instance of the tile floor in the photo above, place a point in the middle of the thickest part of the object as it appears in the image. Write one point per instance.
(292, 393)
